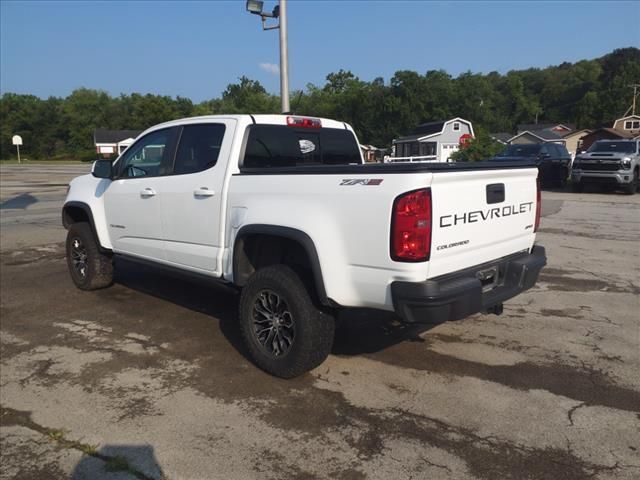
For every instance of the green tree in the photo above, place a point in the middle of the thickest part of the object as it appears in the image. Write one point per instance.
(589, 93)
(483, 147)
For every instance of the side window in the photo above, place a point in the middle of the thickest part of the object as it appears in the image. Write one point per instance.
(544, 150)
(199, 147)
(148, 157)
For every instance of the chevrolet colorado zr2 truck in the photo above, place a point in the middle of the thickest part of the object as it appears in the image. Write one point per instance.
(613, 163)
(283, 209)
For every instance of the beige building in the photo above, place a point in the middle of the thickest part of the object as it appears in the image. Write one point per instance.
(573, 141)
(629, 125)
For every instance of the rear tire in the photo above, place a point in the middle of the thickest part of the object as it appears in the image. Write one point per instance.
(90, 269)
(285, 333)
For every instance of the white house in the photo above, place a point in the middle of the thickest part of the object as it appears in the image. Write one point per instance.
(433, 141)
(110, 142)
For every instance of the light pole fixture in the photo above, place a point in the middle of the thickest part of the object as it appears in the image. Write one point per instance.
(279, 12)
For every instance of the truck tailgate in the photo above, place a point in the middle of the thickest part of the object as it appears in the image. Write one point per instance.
(479, 216)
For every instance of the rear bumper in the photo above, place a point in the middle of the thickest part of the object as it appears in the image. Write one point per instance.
(458, 295)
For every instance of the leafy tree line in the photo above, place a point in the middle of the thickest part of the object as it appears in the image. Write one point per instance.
(588, 93)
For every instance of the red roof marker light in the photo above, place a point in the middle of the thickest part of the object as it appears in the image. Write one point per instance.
(304, 122)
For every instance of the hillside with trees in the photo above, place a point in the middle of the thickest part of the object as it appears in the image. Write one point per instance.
(588, 93)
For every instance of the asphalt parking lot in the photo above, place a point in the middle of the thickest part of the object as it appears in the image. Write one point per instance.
(148, 379)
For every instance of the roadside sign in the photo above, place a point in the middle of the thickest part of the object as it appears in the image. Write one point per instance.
(17, 141)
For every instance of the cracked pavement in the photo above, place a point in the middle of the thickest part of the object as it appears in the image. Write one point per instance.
(148, 379)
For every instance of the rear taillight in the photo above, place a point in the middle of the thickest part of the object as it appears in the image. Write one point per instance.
(304, 122)
(538, 204)
(411, 226)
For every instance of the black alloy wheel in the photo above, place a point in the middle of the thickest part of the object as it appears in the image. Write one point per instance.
(273, 324)
(79, 257)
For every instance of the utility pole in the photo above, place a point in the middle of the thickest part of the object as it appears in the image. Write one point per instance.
(284, 59)
(280, 12)
(635, 87)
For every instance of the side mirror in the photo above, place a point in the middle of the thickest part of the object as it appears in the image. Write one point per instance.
(102, 169)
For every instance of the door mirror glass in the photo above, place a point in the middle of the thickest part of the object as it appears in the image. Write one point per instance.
(102, 169)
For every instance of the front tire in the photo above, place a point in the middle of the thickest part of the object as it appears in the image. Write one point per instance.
(89, 268)
(562, 181)
(285, 333)
(632, 187)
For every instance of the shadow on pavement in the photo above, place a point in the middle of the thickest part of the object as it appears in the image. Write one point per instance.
(22, 201)
(203, 296)
(358, 331)
(119, 462)
(362, 331)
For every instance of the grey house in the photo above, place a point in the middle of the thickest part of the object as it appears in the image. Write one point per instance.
(538, 136)
(433, 141)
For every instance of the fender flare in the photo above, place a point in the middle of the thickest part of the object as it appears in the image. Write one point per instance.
(87, 210)
(292, 234)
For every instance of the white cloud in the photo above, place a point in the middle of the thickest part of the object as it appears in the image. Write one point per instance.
(270, 68)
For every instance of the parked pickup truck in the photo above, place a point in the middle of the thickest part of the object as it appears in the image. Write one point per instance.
(283, 208)
(552, 159)
(614, 163)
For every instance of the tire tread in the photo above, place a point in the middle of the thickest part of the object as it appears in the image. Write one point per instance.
(314, 328)
(100, 265)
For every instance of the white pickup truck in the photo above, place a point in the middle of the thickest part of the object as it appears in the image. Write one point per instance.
(283, 208)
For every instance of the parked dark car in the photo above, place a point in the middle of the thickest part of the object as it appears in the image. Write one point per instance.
(553, 160)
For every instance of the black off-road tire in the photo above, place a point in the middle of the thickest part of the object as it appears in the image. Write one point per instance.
(291, 351)
(632, 187)
(90, 269)
(562, 181)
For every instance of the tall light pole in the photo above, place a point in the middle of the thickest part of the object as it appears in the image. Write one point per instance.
(279, 12)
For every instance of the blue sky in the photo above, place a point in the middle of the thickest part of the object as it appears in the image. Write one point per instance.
(194, 49)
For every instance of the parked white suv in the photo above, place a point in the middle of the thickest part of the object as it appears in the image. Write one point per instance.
(283, 208)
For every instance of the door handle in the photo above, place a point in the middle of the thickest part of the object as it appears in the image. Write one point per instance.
(147, 192)
(204, 192)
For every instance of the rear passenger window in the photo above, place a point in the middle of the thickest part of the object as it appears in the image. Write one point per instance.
(199, 147)
(270, 146)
